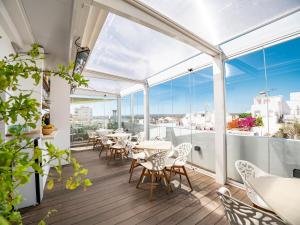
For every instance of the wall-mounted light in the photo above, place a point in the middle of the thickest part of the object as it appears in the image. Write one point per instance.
(82, 55)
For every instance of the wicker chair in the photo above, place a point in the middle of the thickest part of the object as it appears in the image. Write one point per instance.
(137, 158)
(154, 167)
(105, 145)
(239, 213)
(118, 149)
(177, 165)
(246, 170)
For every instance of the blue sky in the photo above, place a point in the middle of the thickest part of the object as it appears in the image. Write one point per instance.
(245, 78)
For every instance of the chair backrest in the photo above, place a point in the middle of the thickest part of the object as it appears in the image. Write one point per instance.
(121, 142)
(158, 138)
(140, 137)
(158, 160)
(129, 147)
(239, 213)
(247, 169)
(91, 133)
(182, 151)
(104, 140)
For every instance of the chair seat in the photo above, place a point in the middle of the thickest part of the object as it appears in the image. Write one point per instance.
(255, 199)
(140, 155)
(172, 162)
(150, 166)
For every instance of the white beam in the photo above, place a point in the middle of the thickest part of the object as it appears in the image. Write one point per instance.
(79, 19)
(142, 14)
(95, 21)
(220, 118)
(90, 92)
(146, 112)
(119, 111)
(100, 75)
(9, 27)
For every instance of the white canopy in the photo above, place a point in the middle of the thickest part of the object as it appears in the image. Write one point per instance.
(129, 50)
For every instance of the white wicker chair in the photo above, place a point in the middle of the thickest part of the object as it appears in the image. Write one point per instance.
(175, 165)
(154, 167)
(247, 170)
(105, 144)
(137, 157)
(118, 149)
(239, 213)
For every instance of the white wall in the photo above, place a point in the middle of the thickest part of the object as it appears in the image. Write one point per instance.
(60, 111)
(5, 50)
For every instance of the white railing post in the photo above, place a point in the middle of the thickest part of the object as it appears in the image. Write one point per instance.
(220, 118)
(119, 111)
(146, 111)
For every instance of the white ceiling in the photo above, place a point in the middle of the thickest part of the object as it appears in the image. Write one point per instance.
(50, 22)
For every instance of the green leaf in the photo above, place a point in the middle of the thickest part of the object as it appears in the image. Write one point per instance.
(87, 182)
(50, 184)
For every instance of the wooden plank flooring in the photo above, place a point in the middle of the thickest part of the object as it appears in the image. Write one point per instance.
(112, 200)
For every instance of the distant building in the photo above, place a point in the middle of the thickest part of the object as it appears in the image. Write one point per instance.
(294, 105)
(84, 113)
(198, 120)
(271, 109)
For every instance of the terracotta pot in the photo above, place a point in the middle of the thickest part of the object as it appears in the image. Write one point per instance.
(47, 131)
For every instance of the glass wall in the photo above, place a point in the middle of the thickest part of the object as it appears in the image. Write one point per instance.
(263, 109)
(126, 112)
(132, 111)
(181, 110)
(88, 113)
(138, 111)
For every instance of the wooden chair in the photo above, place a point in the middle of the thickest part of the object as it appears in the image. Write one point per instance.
(92, 137)
(118, 149)
(105, 145)
(246, 170)
(239, 213)
(136, 156)
(177, 165)
(154, 168)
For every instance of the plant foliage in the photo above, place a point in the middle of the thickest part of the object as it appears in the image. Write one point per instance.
(20, 109)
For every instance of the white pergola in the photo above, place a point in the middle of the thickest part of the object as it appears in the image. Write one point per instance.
(139, 43)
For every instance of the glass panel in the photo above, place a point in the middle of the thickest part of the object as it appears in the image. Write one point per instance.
(138, 110)
(217, 21)
(89, 114)
(181, 131)
(283, 72)
(126, 112)
(161, 112)
(246, 112)
(128, 49)
(202, 118)
(182, 111)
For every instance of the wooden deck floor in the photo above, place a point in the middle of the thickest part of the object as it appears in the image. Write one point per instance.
(112, 200)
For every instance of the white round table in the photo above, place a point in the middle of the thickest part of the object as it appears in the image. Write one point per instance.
(282, 195)
(154, 145)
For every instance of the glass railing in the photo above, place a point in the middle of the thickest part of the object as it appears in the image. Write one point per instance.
(277, 156)
(79, 131)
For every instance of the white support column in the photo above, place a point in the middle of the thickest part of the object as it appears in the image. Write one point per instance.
(146, 111)
(119, 111)
(220, 118)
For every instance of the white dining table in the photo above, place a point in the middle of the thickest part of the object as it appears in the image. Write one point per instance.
(154, 145)
(282, 195)
(118, 135)
(103, 131)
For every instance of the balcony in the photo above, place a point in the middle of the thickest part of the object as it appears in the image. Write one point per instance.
(210, 76)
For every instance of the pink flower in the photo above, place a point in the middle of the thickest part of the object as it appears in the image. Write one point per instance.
(247, 122)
